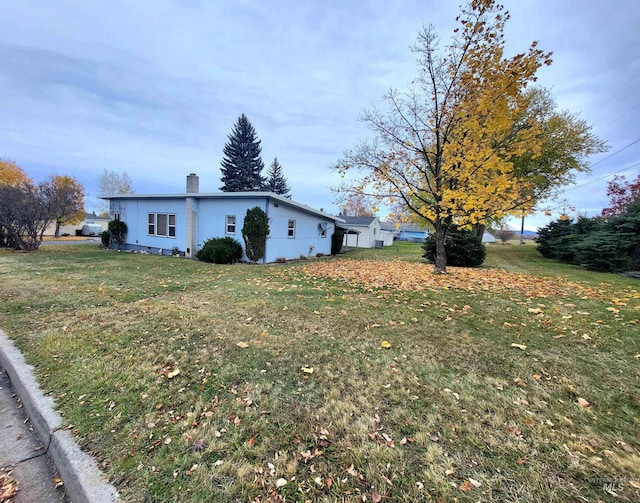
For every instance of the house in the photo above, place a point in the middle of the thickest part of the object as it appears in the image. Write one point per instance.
(365, 232)
(166, 223)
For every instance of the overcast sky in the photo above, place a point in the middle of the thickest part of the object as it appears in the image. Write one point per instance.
(154, 87)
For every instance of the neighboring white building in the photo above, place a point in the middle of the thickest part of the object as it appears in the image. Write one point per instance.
(94, 224)
(365, 232)
(161, 222)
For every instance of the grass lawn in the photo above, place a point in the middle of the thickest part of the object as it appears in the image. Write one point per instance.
(515, 382)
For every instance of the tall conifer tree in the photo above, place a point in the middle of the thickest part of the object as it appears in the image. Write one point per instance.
(276, 182)
(242, 164)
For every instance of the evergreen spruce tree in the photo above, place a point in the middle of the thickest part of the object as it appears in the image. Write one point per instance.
(276, 182)
(242, 164)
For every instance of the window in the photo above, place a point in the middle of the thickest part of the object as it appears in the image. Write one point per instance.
(116, 216)
(231, 224)
(161, 224)
(172, 226)
(291, 230)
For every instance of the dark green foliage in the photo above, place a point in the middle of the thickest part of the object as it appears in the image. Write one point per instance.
(548, 237)
(106, 239)
(336, 241)
(118, 229)
(242, 164)
(603, 251)
(463, 249)
(220, 251)
(606, 244)
(254, 232)
(276, 182)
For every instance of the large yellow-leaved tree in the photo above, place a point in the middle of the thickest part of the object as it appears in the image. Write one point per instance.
(444, 146)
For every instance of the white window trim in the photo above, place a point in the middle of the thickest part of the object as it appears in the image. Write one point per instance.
(227, 224)
(291, 229)
(154, 216)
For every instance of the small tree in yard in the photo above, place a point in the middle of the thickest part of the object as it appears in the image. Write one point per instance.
(118, 229)
(254, 232)
(463, 248)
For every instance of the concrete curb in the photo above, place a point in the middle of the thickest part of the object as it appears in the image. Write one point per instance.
(83, 480)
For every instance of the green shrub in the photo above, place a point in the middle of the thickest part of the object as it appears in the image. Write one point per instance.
(106, 239)
(220, 251)
(549, 244)
(609, 244)
(118, 229)
(604, 252)
(254, 232)
(463, 249)
(336, 242)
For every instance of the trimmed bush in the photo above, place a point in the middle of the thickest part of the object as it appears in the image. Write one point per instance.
(254, 232)
(336, 241)
(105, 237)
(463, 249)
(220, 251)
(118, 229)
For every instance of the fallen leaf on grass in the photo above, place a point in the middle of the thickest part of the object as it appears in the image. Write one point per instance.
(624, 446)
(173, 373)
(307, 370)
(375, 497)
(519, 346)
(281, 482)
(520, 382)
(385, 344)
(242, 345)
(635, 484)
(583, 403)
(466, 486)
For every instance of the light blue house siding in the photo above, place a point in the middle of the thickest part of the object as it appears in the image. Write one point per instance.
(160, 223)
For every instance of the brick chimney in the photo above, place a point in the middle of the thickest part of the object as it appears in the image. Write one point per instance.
(193, 184)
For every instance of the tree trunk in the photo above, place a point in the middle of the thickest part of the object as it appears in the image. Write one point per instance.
(478, 230)
(57, 233)
(441, 254)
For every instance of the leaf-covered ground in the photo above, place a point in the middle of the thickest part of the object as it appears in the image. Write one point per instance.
(342, 379)
(399, 276)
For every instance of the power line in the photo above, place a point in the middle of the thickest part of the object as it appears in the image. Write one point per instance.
(615, 153)
(603, 177)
